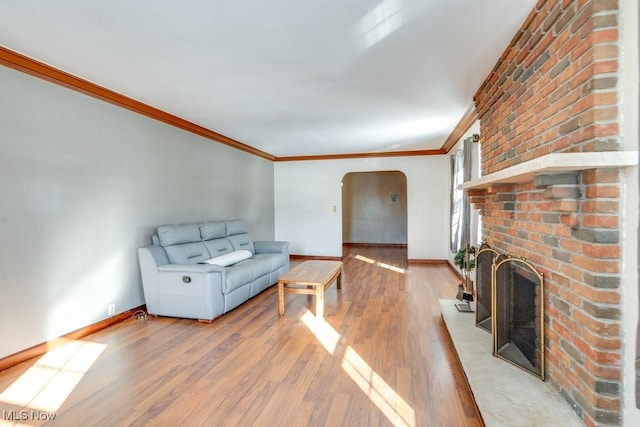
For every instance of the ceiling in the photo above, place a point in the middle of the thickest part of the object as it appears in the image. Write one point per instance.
(290, 78)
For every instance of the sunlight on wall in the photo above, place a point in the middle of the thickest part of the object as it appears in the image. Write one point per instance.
(394, 407)
(47, 384)
(89, 284)
(381, 264)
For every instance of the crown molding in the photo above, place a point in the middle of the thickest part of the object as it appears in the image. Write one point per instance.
(22, 63)
(38, 69)
(468, 119)
(411, 153)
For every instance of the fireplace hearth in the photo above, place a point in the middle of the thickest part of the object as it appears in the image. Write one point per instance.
(504, 394)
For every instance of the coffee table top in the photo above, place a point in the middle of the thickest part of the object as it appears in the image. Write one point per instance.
(312, 272)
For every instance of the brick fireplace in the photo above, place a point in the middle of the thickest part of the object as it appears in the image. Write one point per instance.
(556, 90)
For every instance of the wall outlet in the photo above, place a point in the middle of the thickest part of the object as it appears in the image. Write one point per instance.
(111, 309)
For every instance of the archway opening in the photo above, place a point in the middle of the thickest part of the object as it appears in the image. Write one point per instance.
(374, 208)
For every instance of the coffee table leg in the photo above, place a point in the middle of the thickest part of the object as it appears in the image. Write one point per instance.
(339, 280)
(319, 302)
(280, 299)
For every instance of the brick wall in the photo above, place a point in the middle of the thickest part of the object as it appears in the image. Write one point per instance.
(555, 89)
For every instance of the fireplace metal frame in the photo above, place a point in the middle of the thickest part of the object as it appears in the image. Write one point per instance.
(480, 323)
(494, 318)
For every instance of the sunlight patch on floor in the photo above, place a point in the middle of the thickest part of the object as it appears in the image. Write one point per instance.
(47, 384)
(5, 423)
(380, 264)
(323, 331)
(385, 398)
(394, 407)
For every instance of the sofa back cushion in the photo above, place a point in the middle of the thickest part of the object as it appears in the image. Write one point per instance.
(177, 234)
(194, 243)
(213, 230)
(187, 253)
(182, 244)
(217, 247)
(239, 236)
(235, 226)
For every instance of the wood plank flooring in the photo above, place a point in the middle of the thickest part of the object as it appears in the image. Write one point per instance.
(381, 356)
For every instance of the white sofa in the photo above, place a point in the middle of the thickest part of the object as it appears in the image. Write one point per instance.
(184, 271)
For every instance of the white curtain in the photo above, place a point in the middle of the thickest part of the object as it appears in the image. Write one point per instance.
(460, 206)
(456, 199)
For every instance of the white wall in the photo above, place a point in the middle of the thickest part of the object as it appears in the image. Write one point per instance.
(306, 191)
(631, 134)
(82, 185)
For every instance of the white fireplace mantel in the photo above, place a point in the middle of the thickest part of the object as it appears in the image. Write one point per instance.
(553, 162)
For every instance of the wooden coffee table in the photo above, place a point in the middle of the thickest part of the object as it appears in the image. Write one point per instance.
(312, 278)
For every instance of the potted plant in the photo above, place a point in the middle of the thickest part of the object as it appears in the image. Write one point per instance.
(465, 260)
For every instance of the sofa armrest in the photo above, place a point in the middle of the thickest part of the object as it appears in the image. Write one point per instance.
(152, 256)
(190, 268)
(269, 247)
(192, 291)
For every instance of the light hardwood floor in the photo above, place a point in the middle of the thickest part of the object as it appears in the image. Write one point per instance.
(381, 356)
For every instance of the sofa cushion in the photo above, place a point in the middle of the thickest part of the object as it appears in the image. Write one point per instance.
(259, 267)
(236, 226)
(219, 247)
(177, 234)
(238, 234)
(237, 276)
(230, 258)
(276, 260)
(187, 253)
(242, 241)
(213, 230)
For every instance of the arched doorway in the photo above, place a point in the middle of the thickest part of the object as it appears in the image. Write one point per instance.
(374, 208)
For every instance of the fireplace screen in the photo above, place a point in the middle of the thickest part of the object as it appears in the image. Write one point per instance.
(485, 259)
(518, 314)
